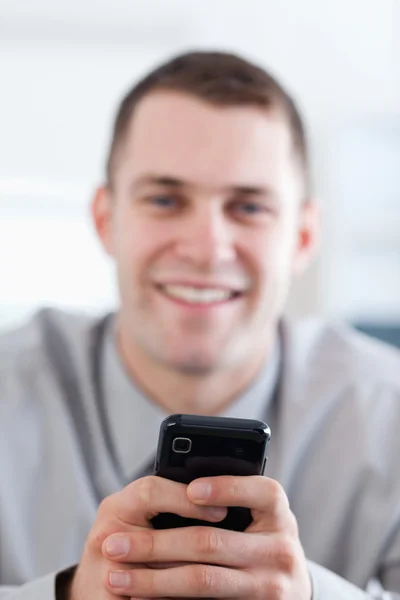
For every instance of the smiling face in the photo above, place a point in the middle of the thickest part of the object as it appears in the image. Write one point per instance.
(206, 224)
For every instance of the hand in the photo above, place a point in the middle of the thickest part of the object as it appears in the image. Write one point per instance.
(265, 562)
(128, 514)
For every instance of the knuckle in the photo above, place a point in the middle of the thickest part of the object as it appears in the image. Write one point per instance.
(293, 526)
(147, 586)
(144, 490)
(202, 579)
(278, 498)
(277, 588)
(277, 493)
(230, 483)
(144, 542)
(95, 540)
(106, 506)
(96, 537)
(286, 552)
(207, 541)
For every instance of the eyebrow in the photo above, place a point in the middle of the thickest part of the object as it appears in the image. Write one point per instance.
(176, 183)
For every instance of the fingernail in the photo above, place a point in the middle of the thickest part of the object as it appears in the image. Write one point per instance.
(200, 490)
(119, 579)
(216, 513)
(117, 545)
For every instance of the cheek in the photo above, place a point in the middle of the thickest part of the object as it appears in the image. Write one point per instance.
(133, 241)
(285, 242)
(273, 257)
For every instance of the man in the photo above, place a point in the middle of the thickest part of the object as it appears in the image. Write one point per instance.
(208, 216)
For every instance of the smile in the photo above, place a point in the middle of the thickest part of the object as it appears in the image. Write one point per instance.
(198, 295)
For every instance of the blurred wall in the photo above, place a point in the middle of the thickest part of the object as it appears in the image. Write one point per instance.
(63, 68)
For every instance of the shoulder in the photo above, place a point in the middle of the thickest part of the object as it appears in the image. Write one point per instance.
(30, 347)
(336, 350)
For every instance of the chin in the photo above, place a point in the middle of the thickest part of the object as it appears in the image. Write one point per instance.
(195, 363)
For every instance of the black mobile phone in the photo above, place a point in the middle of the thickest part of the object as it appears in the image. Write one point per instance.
(193, 446)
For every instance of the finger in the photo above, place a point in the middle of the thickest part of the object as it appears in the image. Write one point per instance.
(254, 492)
(193, 581)
(208, 545)
(145, 498)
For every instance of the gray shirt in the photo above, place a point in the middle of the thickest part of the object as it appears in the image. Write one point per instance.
(71, 433)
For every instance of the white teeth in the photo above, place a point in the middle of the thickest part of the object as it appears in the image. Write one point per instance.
(197, 295)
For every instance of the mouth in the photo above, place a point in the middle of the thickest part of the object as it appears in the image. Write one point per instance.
(199, 296)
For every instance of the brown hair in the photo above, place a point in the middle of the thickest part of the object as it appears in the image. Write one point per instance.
(219, 78)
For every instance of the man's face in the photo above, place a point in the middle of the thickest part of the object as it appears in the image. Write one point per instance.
(206, 226)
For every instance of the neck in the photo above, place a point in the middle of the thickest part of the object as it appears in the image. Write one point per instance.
(178, 392)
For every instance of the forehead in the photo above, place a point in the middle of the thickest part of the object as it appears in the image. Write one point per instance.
(180, 135)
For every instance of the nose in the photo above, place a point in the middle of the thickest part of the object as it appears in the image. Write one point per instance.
(206, 238)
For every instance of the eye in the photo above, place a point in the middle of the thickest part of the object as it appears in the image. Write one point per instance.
(163, 201)
(250, 208)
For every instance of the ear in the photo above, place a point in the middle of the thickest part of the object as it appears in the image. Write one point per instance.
(101, 211)
(308, 236)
